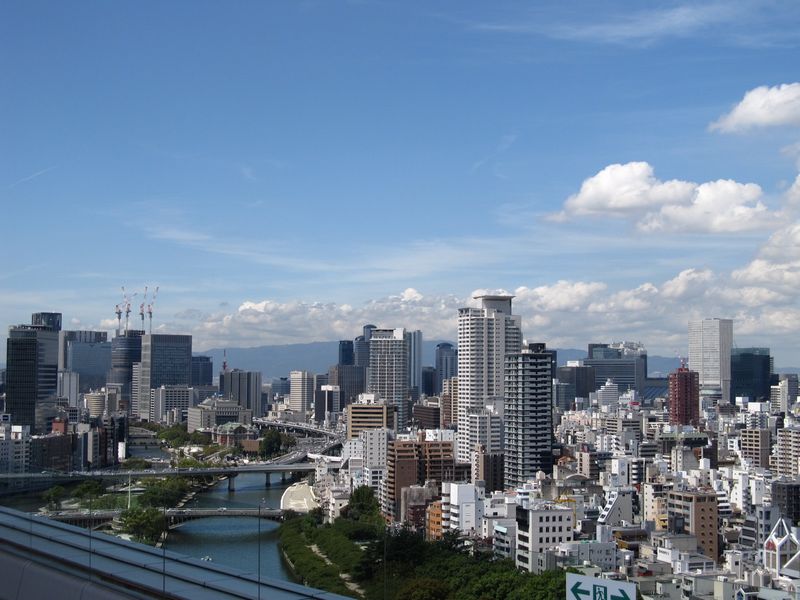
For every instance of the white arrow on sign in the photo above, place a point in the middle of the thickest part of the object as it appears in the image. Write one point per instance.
(580, 587)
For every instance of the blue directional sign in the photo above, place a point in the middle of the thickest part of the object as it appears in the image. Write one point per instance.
(580, 587)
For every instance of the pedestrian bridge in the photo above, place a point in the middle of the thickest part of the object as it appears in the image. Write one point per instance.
(40, 558)
(175, 516)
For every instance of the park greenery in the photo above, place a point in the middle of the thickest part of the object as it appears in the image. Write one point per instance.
(275, 443)
(144, 524)
(400, 563)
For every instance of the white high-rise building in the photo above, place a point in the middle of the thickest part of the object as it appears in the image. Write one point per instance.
(388, 370)
(301, 391)
(485, 336)
(710, 344)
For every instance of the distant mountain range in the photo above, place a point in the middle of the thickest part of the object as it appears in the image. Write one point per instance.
(316, 357)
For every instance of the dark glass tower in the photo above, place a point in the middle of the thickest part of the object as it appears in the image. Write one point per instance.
(202, 370)
(346, 353)
(126, 349)
(446, 364)
(751, 373)
(31, 371)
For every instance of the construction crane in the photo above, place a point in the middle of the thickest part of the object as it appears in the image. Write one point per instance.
(126, 301)
(150, 310)
(118, 310)
(141, 306)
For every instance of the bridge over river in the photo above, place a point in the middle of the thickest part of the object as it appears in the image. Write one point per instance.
(175, 516)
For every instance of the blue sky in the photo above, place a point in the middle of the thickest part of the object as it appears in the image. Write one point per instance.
(285, 171)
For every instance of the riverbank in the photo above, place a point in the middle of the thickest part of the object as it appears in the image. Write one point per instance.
(300, 498)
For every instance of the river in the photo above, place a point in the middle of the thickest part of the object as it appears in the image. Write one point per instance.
(229, 541)
(235, 541)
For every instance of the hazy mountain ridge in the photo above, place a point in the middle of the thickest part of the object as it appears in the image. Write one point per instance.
(278, 360)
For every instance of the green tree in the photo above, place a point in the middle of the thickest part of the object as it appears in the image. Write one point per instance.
(91, 488)
(270, 444)
(136, 464)
(54, 496)
(144, 524)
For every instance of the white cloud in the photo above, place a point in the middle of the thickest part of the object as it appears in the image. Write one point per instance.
(632, 191)
(763, 107)
(722, 206)
(624, 189)
(561, 296)
(688, 283)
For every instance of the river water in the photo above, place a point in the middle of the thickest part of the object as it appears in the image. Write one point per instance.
(233, 541)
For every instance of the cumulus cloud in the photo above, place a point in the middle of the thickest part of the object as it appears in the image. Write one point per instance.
(624, 189)
(722, 206)
(561, 296)
(763, 107)
(687, 283)
(632, 191)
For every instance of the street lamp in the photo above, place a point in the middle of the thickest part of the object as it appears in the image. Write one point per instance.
(260, 504)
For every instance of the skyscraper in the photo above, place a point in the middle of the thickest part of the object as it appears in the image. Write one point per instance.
(350, 379)
(446, 364)
(65, 337)
(485, 336)
(346, 353)
(243, 387)
(388, 370)
(31, 369)
(414, 349)
(202, 370)
(361, 346)
(301, 392)
(710, 344)
(684, 397)
(751, 373)
(528, 414)
(166, 360)
(126, 350)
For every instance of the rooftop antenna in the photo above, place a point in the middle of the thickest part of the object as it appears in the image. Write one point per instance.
(150, 309)
(224, 360)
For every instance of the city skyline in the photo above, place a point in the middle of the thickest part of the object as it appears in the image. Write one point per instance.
(622, 172)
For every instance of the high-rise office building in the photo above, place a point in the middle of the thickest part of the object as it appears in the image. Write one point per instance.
(414, 350)
(485, 336)
(446, 364)
(65, 337)
(388, 370)
(449, 402)
(581, 377)
(126, 350)
(327, 404)
(361, 347)
(202, 371)
(684, 397)
(625, 363)
(710, 345)
(428, 381)
(48, 320)
(350, 379)
(528, 414)
(346, 353)
(301, 392)
(91, 361)
(31, 369)
(370, 412)
(243, 387)
(751, 373)
(166, 360)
